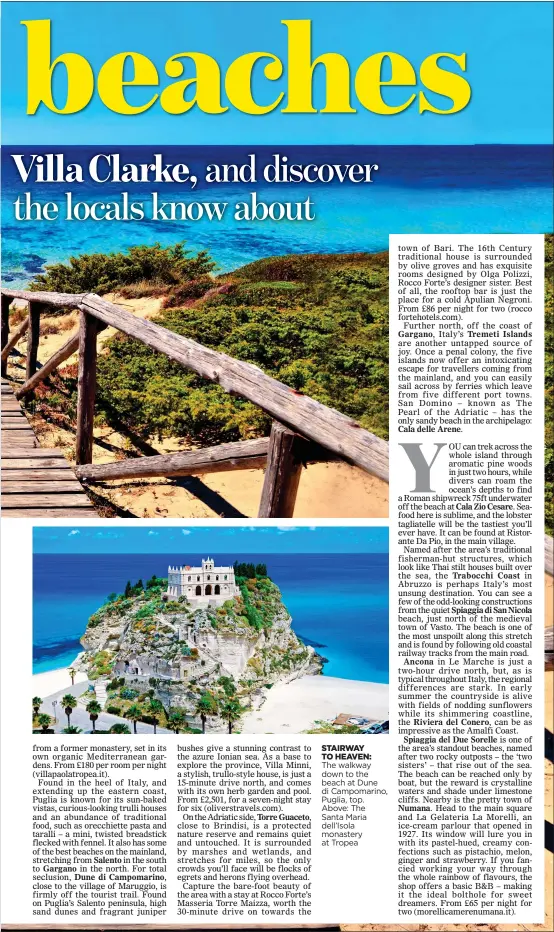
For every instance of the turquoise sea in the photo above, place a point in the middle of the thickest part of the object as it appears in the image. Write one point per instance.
(338, 602)
(417, 189)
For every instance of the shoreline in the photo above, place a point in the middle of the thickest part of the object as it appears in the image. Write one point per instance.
(52, 681)
(293, 707)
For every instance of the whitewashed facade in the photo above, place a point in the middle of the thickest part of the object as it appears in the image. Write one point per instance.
(206, 583)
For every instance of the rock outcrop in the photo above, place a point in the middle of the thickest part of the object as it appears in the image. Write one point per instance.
(247, 644)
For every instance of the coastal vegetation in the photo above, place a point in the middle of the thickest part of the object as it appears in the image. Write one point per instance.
(318, 322)
(159, 266)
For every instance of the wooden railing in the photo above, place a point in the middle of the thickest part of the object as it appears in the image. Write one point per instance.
(303, 430)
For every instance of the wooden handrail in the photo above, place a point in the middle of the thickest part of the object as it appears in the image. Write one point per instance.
(244, 454)
(54, 298)
(315, 432)
(310, 418)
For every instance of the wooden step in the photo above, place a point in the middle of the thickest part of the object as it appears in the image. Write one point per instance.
(36, 482)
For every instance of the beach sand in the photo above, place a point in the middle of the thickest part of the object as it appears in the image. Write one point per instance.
(291, 708)
(51, 681)
(327, 490)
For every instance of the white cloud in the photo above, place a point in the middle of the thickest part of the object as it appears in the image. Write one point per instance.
(185, 531)
(152, 533)
(73, 533)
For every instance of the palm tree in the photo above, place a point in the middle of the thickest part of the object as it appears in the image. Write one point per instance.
(134, 712)
(72, 730)
(37, 702)
(44, 721)
(231, 710)
(206, 705)
(72, 673)
(156, 709)
(68, 702)
(94, 708)
(120, 729)
(176, 719)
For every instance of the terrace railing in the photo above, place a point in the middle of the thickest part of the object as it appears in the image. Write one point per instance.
(303, 430)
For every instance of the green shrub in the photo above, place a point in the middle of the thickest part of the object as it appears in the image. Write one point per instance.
(101, 272)
(189, 291)
(128, 693)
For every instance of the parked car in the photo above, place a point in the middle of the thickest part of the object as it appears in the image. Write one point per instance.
(378, 728)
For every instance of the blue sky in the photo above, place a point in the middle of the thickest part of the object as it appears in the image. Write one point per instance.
(119, 538)
(508, 46)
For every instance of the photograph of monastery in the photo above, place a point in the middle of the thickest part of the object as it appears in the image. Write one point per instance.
(198, 630)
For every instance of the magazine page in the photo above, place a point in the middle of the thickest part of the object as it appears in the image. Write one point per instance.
(277, 469)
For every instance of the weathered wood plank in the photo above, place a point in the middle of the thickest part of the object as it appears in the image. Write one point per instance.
(16, 423)
(46, 500)
(36, 482)
(86, 387)
(33, 475)
(33, 336)
(296, 411)
(52, 454)
(282, 475)
(33, 512)
(242, 454)
(30, 487)
(245, 454)
(19, 439)
(64, 352)
(15, 338)
(47, 297)
(5, 334)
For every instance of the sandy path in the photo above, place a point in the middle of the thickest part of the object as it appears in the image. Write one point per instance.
(291, 708)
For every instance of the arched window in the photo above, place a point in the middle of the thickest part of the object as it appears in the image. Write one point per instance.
(208, 590)
(216, 590)
(199, 590)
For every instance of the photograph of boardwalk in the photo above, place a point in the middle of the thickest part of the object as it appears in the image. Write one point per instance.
(152, 370)
(253, 630)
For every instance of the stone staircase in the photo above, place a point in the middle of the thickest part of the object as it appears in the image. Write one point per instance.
(100, 693)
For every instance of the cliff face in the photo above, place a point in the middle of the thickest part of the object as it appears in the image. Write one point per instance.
(187, 650)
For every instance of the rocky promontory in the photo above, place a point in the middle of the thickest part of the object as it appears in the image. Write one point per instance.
(190, 667)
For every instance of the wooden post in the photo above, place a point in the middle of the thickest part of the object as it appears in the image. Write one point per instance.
(33, 334)
(14, 338)
(86, 388)
(6, 301)
(282, 474)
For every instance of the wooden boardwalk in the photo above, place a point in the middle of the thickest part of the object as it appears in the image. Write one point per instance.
(36, 482)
